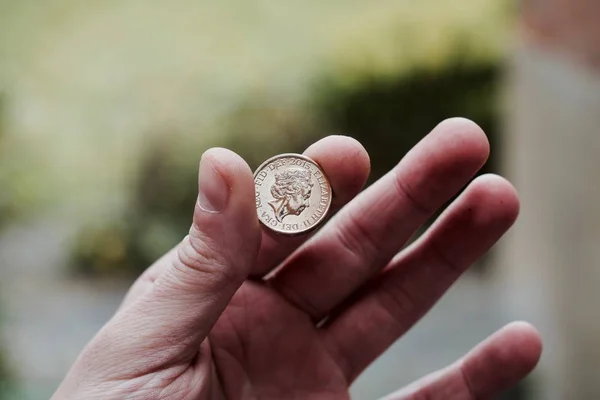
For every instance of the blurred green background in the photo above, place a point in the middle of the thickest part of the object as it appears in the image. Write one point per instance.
(106, 106)
(111, 104)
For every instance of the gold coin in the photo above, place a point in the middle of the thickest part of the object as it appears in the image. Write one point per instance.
(293, 195)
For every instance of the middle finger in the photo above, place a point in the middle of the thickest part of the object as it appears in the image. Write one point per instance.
(366, 234)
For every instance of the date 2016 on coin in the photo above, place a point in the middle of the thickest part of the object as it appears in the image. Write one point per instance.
(293, 194)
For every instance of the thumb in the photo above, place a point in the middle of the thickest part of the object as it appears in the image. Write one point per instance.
(169, 321)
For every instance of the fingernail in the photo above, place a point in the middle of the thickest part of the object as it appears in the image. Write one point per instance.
(213, 190)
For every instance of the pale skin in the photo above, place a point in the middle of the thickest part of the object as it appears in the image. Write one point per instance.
(234, 312)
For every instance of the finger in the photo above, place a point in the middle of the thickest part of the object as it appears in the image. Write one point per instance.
(365, 235)
(495, 365)
(346, 164)
(171, 318)
(413, 282)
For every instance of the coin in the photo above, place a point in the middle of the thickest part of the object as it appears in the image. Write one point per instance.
(293, 195)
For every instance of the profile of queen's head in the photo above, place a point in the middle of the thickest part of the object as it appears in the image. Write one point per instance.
(291, 192)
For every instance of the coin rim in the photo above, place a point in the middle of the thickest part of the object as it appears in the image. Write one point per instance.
(325, 214)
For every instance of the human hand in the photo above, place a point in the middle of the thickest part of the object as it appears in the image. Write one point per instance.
(234, 312)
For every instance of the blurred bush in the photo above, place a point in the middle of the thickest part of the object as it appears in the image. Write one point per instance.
(18, 191)
(112, 103)
(6, 202)
(164, 192)
(6, 376)
(6, 214)
(388, 116)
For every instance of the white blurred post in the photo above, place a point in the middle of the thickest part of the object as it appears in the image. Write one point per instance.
(551, 260)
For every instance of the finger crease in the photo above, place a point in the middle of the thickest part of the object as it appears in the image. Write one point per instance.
(468, 385)
(398, 303)
(297, 301)
(405, 192)
(445, 260)
(356, 240)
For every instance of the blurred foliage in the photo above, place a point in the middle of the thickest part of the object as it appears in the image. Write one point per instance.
(109, 124)
(388, 116)
(164, 194)
(160, 208)
(3, 197)
(522, 391)
(5, 200)
(6, 375)
(87, 82)
(16, 191)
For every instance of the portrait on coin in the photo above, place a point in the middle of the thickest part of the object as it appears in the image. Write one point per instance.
(291, 192)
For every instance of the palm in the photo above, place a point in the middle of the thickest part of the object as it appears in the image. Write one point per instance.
(276, 346)
(316, 311)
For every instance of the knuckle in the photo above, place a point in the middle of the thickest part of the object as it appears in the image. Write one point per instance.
(397, 302)
(406, 192)
(359, 241)
(444, 260)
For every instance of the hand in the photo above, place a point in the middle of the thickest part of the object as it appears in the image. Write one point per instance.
(236, 313)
